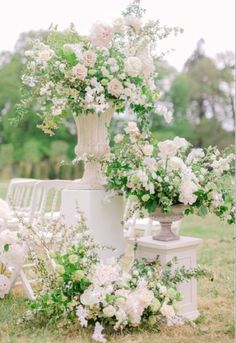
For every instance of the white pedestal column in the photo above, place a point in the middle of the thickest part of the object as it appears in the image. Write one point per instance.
(185, 251)
(103, 218)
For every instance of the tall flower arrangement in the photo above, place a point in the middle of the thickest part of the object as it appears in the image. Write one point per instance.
(114, 65)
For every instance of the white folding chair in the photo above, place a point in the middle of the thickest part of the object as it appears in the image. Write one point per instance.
(45, 207)
(19, 197)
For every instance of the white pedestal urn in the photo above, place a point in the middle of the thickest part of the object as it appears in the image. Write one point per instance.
(93, 141)
(166, 220)
(103, 218)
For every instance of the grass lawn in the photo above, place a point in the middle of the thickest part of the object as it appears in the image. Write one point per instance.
(216, 299)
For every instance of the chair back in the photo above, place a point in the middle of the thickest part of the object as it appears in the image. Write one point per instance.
(46, 199)
(19, 194)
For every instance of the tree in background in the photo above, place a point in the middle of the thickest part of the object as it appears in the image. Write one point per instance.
(202, 93)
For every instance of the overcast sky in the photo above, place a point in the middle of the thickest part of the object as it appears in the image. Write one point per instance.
(212, 20)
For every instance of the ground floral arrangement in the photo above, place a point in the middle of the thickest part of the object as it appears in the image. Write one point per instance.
(165, 174)
(76, 286)
(69, 73)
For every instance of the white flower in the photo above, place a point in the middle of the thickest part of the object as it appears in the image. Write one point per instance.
(97, 335)
(45, 90)
(167, 311)
(175, 163)
(101, 35)
(187, 188)
(131, 128)
(119, 26)
(118, 138)
(45, 55)
(79, 72)
(167, 149)
(147, 149)
(92, 295)
(29, 80)
(89, 58)
(147, 62)
(109, 311)
(105, 274)
(82, 315)
(4, 285)
(194, 155)
(133, 66)
(5, 212)
(134, 22)
(115, 87)
(181, 142)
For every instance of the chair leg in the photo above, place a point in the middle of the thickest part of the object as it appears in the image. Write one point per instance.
(27, 287)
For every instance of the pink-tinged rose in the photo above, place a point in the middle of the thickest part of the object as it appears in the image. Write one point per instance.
(115, 87)
(79, 72)
(89, 58)
(101, 35)
(134, 22)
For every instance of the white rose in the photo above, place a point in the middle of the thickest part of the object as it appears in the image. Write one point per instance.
(147, 149)
(109, 311)
(79, 72)
(133, 66)
(115, 87)
(167, 149)
(45, 55)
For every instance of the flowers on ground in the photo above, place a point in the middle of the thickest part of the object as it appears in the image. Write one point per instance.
(81, 288)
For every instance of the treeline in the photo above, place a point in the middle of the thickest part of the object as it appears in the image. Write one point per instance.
(201, 98)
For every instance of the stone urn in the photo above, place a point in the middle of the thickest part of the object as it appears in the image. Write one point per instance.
(166, 220)
(92, 141)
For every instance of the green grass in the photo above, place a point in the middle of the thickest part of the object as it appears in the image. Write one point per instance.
(215, 299)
